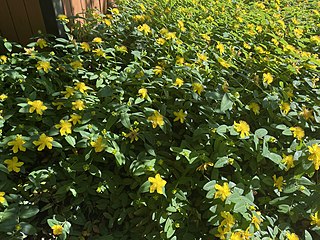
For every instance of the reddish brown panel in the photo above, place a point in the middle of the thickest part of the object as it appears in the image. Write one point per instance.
(95, 4)
(6, 24)
(67, 7)
(35, 16)
(76, 6)
(20, 20)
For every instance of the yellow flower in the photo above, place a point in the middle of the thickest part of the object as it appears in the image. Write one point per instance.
(222, 232)
(41, 43)
(257, 220)
(180, 116)
(29, 51)
(63, 18)
(139, 18)
(204, 166)
(161, 41)
(122, 49)
(170, 35)
(298, 32)
(69, 92)
(78, 105)
(259, 29)
(315, 39)
(157, 184)
(246, 45)
(37, 106)
(107, 22)
(179, 82)
(242, 127)
(75, 118)
(220, 47)
(65, 127)
(144, 28)
(255, 108)
(278, 182)
(314, 150)
(143, 92)
(133, 134)
(97, 40)
(267, 78)
(236, 236)
(202, 57)
(158, 70)
(13, 164)
(298, 132)
(85, 46)
(98, 145)
(99, 52)
(80, 86)
(223, 63)
(222, 191)
(115, 11)
(76, 65)
(179, 60)
(205, 37)
(43, 141)
(285, 107)
(259, 50)
(197, 87)
(17, 144)
(292, 236)
(315, 220)
(181, 26)
(3, 59)
(43, 65)
(306, 113)
(163, 31)
(288, 161)
(3, 97)
(57, 229)
(228, 220)
(2, 199)
(275, 41)
(156, 119)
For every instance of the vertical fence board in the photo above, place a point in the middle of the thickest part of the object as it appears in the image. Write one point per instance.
(6, 24)
(67, 7)
(35, 16)
(20, 20)
(76, 6)
(95, 4)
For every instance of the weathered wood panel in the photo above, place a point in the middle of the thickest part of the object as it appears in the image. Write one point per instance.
(20, 20)
(6, 23)
(35, 16)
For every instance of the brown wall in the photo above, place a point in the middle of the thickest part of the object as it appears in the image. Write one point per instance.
(21, 19)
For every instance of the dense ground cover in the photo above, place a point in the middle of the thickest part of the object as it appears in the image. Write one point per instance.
(165, 120)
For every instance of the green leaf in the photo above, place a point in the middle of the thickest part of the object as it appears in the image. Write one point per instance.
(222, 162)
(70, 140)
(144, 187)
(209, 185)
(8, 46)
(260, 133)
(307, 235)
(226, 103)
(28, 211)
(27, 228)
(125, 120)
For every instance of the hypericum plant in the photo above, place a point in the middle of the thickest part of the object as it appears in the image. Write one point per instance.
(165, 120)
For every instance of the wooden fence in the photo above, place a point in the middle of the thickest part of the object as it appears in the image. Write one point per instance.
(21, 19)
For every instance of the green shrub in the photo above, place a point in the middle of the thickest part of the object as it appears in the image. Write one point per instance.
(165, 120)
